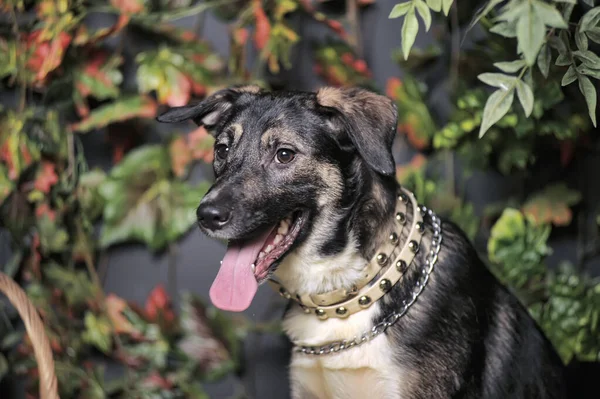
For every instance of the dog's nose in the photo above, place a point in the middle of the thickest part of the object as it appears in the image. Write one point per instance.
(212, 217)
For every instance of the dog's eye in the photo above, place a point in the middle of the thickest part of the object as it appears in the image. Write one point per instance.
(285, 155)
(221, 150)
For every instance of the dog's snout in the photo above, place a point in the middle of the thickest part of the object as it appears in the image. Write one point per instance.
(213, 217)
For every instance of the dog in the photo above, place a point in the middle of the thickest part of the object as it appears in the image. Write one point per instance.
(305, 193)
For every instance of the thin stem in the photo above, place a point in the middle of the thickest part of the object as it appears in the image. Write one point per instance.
(455, 54)
(353, 19)
(172, 270)
(89, 264)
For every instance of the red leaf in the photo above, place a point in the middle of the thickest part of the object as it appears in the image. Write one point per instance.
(159, 303)
(46, 177)
(45, 210)
(47, 55)
(263, 27)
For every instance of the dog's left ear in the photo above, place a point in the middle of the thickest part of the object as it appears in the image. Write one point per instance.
(369, 119)
(209, 111)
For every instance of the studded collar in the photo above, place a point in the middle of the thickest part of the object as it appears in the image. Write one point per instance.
(382, 272)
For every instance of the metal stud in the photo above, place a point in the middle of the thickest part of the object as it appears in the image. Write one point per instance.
(385, 285)
(420, 227)
(364, 301)
(394, 238)
(403, 197)
(341, 311)
(423, 210)
(401, 266)
(284, 293)
(401, 218)
(413, 246)
(321, 314)
(381, 259)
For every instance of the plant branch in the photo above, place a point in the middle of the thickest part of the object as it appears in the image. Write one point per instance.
(455, 52)
(355, 35)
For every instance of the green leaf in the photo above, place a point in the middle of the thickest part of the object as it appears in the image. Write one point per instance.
(549, 14)
(594, 73)
(566, 1)
(506, 29)
(6, 185)
(563, 60)
(424, 12)
(400, 9)
(435, 5)
(97, 332)
(581, 41)
(120, 110)
(514, 239)
(593, 35)
(590, 20)
(510, 66)
(589, 2)
(3, 366)
(525, 95)
(543, 60)
(497, 80)
(569, 77)
(530, 34)
(589, 92)
(495, 108)
(410, 28)
(446, 4)
(482, 12)
(12, 266)
(513, 11)
(143, 203)
(588, 58)
(11, 339)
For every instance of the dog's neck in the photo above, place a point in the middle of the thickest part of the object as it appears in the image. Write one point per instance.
(365, 226)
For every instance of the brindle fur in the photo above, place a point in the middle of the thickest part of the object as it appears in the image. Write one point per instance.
(466, 336)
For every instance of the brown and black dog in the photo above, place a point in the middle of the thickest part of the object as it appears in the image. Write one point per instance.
(305, 191)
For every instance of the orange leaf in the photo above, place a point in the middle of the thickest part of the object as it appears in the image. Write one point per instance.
(128, 6)
(114, 308)
(180, 156)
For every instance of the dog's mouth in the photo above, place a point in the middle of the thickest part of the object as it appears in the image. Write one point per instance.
(248, 263)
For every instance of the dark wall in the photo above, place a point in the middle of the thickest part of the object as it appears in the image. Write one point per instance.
(133, 271)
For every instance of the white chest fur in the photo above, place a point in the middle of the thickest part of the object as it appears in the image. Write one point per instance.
(366, 371)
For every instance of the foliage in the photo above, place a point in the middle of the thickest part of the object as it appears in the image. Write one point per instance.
(63, 217)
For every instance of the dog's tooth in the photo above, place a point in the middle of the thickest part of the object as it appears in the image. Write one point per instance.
(253, 266)
(261, 255)
(283, 229)
(277, 239)
(269, 248)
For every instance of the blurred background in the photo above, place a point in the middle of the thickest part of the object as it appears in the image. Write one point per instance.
(496, 132)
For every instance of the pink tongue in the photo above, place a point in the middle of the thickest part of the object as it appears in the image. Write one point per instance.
(235, 284)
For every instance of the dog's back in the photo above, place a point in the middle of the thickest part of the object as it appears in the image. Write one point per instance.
(472, 338)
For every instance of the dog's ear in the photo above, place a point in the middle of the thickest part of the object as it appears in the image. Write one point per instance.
(369, 120)
(209, 111)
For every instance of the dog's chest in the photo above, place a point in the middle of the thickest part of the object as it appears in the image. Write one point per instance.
(366, 371)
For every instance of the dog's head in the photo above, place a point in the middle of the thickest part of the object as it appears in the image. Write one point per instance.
(285, 162)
